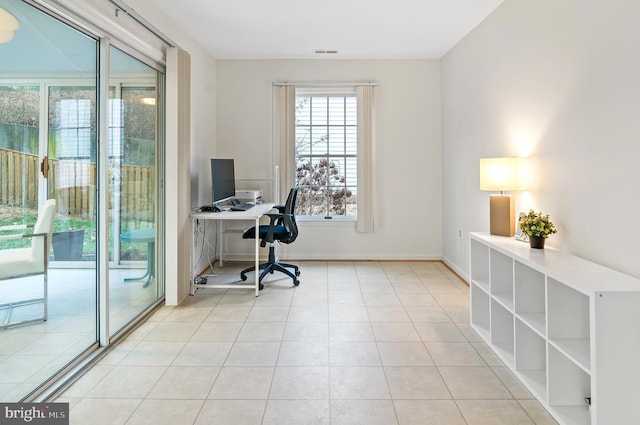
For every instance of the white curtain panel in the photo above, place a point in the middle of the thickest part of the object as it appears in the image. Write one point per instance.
(284, 129)
(365, 159)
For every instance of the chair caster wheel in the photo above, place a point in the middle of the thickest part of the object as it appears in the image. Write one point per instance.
(261, 287)
(296, 282)
(298, 273)
(243, 277)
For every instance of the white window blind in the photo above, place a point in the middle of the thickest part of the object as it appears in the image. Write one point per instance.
(326, 154)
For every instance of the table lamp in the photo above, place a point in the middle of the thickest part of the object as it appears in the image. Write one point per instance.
(500, 175)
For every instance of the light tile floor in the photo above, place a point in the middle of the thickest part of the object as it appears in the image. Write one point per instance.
(31, 354)
(362, 343)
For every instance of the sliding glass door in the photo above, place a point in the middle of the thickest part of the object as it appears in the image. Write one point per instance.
(48, 95)
(50, 149)
(133, 195)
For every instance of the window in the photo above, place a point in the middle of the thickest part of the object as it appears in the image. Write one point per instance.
(326, 153)
(324, 142)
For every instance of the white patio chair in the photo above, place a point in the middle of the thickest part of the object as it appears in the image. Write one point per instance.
(23, 262)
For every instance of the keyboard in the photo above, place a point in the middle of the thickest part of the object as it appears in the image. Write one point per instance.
(241, 207)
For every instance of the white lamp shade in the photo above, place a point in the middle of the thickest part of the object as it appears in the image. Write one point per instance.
(502, 174)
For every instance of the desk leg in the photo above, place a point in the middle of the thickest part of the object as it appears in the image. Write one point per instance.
(257, 272)
(219, 225)
(192, 289)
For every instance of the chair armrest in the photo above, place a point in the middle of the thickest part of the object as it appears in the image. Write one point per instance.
(10, 237)
(20, 236)
(13, 227)
(272, 224)
(279, 219)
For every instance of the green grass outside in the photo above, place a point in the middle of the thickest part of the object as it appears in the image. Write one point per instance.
(17, 215)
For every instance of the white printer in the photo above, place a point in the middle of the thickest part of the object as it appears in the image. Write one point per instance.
(249, 195)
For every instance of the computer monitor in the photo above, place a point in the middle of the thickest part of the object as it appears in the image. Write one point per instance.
(223, 181)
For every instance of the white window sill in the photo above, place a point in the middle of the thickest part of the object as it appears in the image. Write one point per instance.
(305, 219)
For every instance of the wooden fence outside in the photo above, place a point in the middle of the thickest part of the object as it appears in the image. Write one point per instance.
(72, 184)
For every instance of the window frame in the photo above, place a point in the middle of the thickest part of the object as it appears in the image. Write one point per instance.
(351, 181)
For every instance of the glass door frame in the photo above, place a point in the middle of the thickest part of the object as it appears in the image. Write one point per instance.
(104, 91)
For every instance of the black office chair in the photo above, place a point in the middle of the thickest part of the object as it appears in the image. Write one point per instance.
(282, 227)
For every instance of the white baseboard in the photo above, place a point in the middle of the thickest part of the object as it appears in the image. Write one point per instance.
(340, 257)
(462, 273)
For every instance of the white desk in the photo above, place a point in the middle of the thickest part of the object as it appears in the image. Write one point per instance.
(251, 214)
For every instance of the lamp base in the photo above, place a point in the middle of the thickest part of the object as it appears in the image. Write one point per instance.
(502, 213)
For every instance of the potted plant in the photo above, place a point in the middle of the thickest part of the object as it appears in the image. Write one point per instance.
(538, 227)
(67, 245)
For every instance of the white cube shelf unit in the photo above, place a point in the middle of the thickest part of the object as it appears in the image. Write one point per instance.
(568, 328)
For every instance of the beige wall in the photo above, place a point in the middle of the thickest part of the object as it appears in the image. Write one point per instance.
(408, 154)
(557, 80)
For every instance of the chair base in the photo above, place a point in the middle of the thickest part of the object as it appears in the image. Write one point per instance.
(10, 306)
(273, 266)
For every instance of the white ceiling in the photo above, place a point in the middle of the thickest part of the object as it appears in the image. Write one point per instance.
(372, 29)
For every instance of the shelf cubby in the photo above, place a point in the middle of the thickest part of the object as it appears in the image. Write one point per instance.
(480, 265)
(480, 317)
(502, 331)
(501, 273)
(569, 322)
(569, 387)
(530, 297)
(531, 359)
